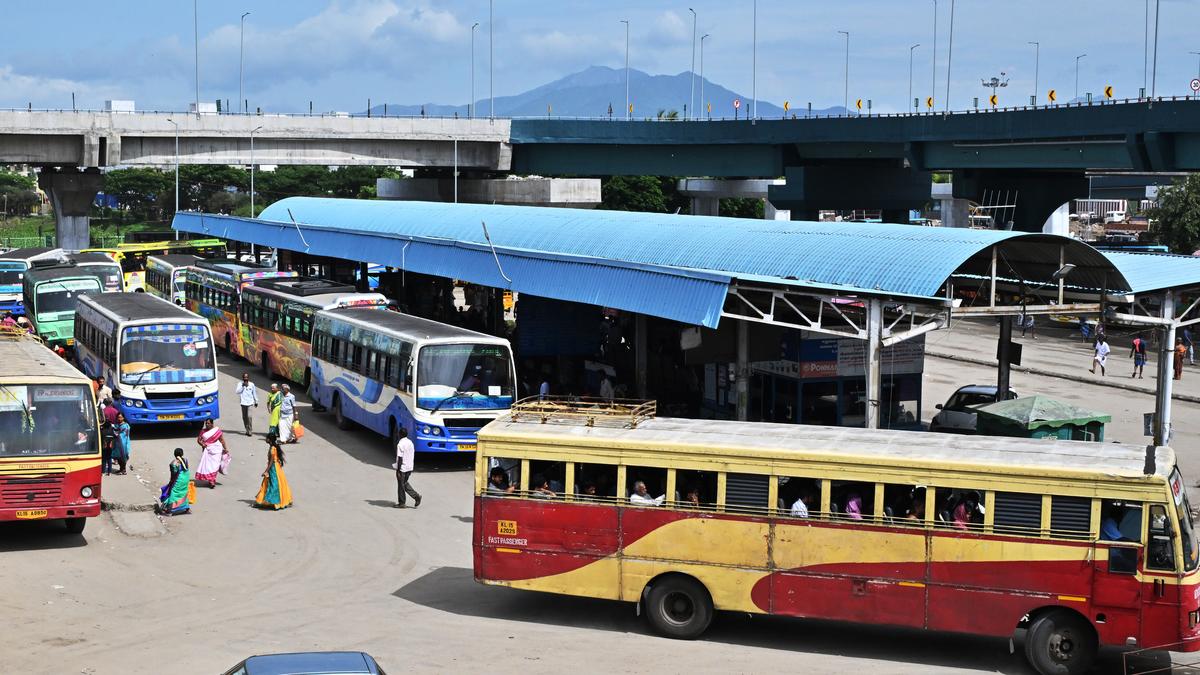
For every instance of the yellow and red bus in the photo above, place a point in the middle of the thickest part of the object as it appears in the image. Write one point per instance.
(132, 257)
(276, 318)
(49, 439)
(1084, 544)
(214, 291)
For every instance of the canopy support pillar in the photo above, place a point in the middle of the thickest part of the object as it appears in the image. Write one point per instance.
(743, 371)
(873, 360)
(1166, 349)
(1004, 372)
(639, 355)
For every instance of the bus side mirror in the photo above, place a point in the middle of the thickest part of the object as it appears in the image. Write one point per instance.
(938, 406)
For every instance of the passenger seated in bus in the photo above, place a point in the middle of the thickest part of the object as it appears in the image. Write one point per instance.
(498, 483)
(854, 506)
(692, 497)
(800, 507)
(1109, 529)
(641, 497)
(588, 492)
(539, 488)
(967, 511)
(916, 510)
(470, 381)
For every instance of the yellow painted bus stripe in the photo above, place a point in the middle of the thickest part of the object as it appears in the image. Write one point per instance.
(913, 584)
(1072, 598)
(508, 550)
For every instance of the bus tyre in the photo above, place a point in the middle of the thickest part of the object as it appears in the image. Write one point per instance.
(679, 607)
(1060, 642)
(265, 364)
(338, 416)
(75, 525)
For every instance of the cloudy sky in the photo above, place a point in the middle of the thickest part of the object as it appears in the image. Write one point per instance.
(339, 53)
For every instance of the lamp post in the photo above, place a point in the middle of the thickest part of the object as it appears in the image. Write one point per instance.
(949, 55)
(176, 125)
(471, 104)
(702, 106)
(491, 61)
(1077, 74)
(196, 40)
(242, 64)
(628, 114)
(692, 94)
(846, 86)
(1197, 67)
(933, 85)
(910, 72)
(1037, 63)
(252, 132)
(753, 66)
(1154, 63)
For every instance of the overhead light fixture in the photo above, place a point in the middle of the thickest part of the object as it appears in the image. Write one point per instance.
(1062, 272)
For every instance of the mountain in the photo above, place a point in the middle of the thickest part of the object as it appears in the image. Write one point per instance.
(590, 92)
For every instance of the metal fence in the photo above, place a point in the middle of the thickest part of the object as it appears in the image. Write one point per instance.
(48, 240)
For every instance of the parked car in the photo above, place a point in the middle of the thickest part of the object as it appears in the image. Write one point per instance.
(309, 663)
(958, 414)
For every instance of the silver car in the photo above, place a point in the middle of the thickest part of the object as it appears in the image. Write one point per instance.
(958, 414)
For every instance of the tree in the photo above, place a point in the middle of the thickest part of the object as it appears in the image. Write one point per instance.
(742, 207)
(1176, 219)
(141, 191)
(17, 181)
(650, 194)
(198, 183)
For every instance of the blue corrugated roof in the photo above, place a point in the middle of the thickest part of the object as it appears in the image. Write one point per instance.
(660, 264)
(1148, 272)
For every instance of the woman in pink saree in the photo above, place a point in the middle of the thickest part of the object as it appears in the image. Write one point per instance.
(212, 449)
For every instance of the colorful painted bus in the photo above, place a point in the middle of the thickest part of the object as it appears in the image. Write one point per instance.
(49, 440)
(1083, 544)
(156, 355)
(13, 266)
(166, 275)
(50, 291)
(214, 291)
(276, 320)
(132, 257)
(387, 371)
(111, 277)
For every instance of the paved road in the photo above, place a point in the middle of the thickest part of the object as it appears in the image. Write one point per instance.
(344, 570)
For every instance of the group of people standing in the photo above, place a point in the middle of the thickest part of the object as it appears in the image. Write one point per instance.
(114, 432)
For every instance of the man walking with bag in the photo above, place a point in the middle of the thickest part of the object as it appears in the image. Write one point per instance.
(287, 415)
(405, 453)
(247, 396)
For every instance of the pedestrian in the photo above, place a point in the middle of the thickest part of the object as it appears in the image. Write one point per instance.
(274, 492)
(212, 451)
(108, 436)
(8, 321)
(1027, 324)
(247, 396)
(273, 403)
(1190, 344)
(173, 499)
(405, 453)
(1100, 357)
(287, 415)
(120, 445)
(1138, 352)
(103, 391)
(1180, 352)
(109, 411)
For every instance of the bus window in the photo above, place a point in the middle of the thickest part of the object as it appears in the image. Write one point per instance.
(1121, 521)
(695, 489)
(904, 504)
(504, 476)
(799, 497)
(747, 492)
(645, 486)
(1018, 513)
(1070, 517)
(546, 478)
(595, 481)
(1161, 553)
(852, 500)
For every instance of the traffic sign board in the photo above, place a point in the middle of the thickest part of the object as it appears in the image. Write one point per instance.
(992, 99)
(737, 103)
(1052, 96)
(1108, 92)
(929, 102)
(1195, 84)
(786, 106)
(858, 104)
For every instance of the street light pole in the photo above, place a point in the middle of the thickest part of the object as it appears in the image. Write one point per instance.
(910, 73)
(242, 64)
(702, 105)
(753, 66)
(692, 95)
(176, 125)
(846, 86)
(1154, 65)
(628, 115)
(196, 39)
(1197, 67)
(949, 55)
(933, 86)
(471, 105)
(1077, 74)
(1037, 63)
(491, 61)
(252, 132)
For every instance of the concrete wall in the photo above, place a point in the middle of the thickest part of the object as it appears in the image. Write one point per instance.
(536, 191)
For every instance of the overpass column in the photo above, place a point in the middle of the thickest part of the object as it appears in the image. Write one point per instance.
(706, 206)
(71, 194)
(873, 360)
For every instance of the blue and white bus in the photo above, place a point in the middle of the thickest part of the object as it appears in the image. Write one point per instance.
(387, 371)
(157, 357)
(13, 266)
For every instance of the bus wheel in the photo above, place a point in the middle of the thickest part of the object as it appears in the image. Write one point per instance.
(1060, 642)
(265, 364)
(679, 607)
(307, 379)
(75, 525)
(338, 416)
(227, 350)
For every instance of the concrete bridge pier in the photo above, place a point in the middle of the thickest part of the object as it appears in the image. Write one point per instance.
(706, 195)
(71, 194)
(1032, 195)
(891, 189)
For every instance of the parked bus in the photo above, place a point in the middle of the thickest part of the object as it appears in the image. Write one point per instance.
(49, 441)
(387, 371)
(157, 355)
(50, 291)
(214, 291)
(111, 277)
(1084, 544)
(132, 257)
(276, 317)
(166, 275)
(13, 266)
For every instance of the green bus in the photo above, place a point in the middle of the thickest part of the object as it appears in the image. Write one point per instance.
(49, 292)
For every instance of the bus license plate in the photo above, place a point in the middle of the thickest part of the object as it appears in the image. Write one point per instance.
(167, 418)
(466, 447)
(31, 514)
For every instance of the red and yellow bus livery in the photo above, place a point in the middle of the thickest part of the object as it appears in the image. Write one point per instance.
(1085, 544)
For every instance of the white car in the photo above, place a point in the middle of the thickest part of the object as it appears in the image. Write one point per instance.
(958, 414)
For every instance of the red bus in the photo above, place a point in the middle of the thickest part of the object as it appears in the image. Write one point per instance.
(1084, 544)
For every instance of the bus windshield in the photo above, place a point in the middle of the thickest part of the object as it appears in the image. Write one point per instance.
(54, 297)
(11, 274)
(1186, 529)
(111, 275)
(166, 354)
(38, 420)
(133, 261)
(464, 376)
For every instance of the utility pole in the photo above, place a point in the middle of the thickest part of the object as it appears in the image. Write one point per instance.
(1037, 63)
(471, 107)
(703, 106)
(491, 61)
(846, 85)
(692, 95)
(176, 125)
(1077, 74)
(1154, 64)
(949, 55)
(242, 64)
(628, 115)
(933, 86)
(910, 73)
(196, 39)
(753, 66)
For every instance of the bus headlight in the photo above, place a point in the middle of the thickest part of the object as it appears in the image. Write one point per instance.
(437, 431)
(425, 429)
(139, 403)
(86, 492)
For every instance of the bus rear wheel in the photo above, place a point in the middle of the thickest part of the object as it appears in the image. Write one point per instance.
(265, 364)
(1060, 642)
(75, 525)
(679, 607)
(338, 416)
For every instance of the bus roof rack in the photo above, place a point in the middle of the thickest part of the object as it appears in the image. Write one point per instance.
(51, 262)
(590, 411)
(227, 264)
(305, 286)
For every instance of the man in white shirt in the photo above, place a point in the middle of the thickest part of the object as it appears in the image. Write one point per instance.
(247, 396)
(642, 498)
(104, 391)
(405, 453)
(287, 415)
(799, 508)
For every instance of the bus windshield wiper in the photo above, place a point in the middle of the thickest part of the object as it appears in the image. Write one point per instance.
(151, 370)
(457, 394)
